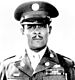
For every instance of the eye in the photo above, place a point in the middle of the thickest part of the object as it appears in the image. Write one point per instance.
(31, 26)
(42, 26)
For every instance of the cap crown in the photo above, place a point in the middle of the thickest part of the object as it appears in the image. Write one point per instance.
(42, 7)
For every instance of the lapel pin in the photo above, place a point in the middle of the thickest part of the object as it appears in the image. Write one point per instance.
(47, 64)
(51, 55)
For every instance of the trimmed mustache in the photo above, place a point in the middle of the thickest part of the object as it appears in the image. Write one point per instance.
(38, 37)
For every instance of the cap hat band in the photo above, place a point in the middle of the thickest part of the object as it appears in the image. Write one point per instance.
(36, 20)
(34, 14)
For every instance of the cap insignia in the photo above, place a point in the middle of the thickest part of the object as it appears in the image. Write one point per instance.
(35, 7)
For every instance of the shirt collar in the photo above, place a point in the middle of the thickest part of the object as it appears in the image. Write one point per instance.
(31, 53)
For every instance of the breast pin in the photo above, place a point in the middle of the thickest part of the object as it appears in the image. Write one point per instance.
(35, 7)
(16, 74)
(56, 66)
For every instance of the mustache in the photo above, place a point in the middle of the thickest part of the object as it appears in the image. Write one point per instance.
(37, 37)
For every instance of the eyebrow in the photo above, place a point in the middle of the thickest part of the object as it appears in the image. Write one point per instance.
(36, 24)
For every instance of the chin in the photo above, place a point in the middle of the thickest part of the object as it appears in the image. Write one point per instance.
(38, 46)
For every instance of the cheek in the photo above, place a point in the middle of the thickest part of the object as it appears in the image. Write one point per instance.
(46, 35)
(28, 37)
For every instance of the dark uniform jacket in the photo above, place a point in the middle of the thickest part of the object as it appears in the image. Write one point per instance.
(52, 66)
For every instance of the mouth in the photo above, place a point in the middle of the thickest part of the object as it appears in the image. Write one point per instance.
(37, 38)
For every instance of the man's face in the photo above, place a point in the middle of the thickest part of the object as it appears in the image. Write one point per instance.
(37, 35)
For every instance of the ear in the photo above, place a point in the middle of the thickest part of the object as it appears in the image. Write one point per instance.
(22, 30)
(50, 28)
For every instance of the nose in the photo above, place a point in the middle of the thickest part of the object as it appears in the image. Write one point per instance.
(37, 30)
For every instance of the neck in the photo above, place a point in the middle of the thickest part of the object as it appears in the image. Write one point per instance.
(38, 49)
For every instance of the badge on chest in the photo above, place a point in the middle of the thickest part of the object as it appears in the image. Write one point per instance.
(55, 73)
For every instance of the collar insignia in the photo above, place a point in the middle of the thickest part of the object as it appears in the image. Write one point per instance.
(51, 55)
(47, 64)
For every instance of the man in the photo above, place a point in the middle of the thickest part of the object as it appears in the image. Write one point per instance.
(38, 62)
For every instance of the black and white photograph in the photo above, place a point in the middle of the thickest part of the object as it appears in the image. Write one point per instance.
(37, 40)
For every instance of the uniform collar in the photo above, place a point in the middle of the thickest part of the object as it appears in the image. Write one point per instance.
(48, 60)
(49, 55)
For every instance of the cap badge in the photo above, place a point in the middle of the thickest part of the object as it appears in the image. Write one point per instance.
(35, 7)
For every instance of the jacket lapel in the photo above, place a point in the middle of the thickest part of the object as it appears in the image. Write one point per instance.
(24, 65)
(47, 61)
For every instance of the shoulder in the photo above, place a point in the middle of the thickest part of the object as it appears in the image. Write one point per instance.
(65, 60)
(9, 60)
(4, 63)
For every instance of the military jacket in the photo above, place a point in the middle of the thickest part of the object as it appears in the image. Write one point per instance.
(52, 66)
